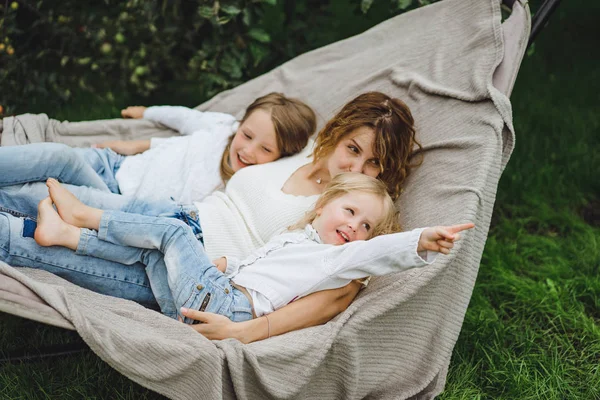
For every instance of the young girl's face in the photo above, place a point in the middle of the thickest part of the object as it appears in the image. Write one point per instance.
(354, 153)
(255, 141)
(350, 217)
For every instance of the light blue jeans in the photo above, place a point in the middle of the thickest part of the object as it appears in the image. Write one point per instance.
(167, 245)
(18, 211)
(18, 248)
(95, 168)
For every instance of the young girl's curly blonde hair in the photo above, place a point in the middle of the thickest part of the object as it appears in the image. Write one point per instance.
(352, 182)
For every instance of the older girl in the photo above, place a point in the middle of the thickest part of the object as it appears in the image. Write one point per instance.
(373, 134)
(188, 168)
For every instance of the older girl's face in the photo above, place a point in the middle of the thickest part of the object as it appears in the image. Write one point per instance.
(354, 153)
(255, 141)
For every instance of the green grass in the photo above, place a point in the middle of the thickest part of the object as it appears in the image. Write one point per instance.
(532, 330)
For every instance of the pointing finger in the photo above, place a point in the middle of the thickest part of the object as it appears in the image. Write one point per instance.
(460, 227)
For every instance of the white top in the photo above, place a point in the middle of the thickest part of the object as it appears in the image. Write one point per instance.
(296, 264)
(252, 208)
(185, 168)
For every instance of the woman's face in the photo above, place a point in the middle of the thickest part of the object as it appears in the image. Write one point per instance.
(255, 141)
(354, 153)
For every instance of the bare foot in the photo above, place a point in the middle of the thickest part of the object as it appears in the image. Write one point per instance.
(70, 209)
(52, 230)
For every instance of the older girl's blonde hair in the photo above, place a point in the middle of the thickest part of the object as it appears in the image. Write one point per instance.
(351, 182)
(294, 123)
(395, 141)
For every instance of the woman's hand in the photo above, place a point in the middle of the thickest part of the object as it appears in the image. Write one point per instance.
(314, 309)
(136, 112)
(125, 147)
(215, 326)
(441, 238)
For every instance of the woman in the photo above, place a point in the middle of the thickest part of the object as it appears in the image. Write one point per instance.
(372, 134)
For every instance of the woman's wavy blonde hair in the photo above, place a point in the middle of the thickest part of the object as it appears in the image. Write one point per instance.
(352, 182)
(294, 122)
(395, 141)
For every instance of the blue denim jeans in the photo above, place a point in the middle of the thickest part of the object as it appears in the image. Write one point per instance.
(18, 248)
(23, 200)
(180, 272)
(18, 211)
(105, 162)
(95, 168)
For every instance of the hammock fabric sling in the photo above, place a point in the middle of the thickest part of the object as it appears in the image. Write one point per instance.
(454, 63)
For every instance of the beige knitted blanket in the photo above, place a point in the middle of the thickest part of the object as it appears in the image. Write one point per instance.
(395, 340)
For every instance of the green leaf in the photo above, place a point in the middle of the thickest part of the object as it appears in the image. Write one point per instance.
(365, 5)
(206, 12)
(270, 2)
(404, 4)
(231, 66)
(149, 85)
(231, 10)
(259, 35)
(247, 18)
(223, 20)
(258, 52)
(216, 79)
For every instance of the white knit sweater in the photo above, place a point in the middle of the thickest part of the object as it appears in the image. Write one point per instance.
(184, 168)
(252, 208)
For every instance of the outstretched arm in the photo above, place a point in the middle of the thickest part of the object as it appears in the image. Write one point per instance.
(308, 311)
(186, 121)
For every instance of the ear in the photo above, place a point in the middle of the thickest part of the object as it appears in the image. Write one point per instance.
(319, 211)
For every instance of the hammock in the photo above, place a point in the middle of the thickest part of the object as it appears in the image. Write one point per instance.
(454, 63)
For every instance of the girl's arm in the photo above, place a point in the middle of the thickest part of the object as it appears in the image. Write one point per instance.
(188, 121)
(392, 253)
(308, 311)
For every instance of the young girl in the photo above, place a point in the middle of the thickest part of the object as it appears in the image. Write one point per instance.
(184, 168)
(326, 250)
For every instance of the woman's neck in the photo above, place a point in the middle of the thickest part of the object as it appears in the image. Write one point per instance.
(319, 173)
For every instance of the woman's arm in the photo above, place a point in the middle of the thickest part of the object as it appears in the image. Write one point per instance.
(314, 309)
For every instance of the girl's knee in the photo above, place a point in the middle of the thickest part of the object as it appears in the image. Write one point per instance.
(59, 154)
(178, 226)
(55, 150)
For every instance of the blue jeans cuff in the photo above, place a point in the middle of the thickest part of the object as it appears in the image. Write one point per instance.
(84, 237)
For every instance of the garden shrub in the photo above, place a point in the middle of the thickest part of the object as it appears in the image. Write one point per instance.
(50, 49)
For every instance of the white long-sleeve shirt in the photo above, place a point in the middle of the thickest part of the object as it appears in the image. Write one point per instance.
(296, 264)
(253, 208)
(183, 167)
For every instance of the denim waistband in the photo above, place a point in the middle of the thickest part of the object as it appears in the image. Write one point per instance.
(189, 215)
